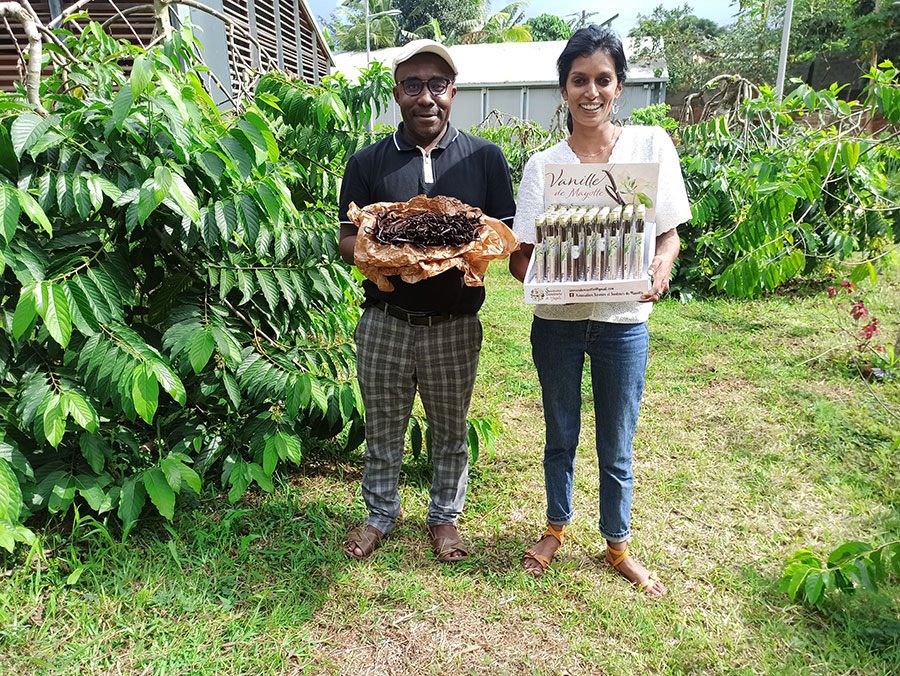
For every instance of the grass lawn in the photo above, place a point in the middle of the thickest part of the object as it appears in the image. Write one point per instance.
(745, 452)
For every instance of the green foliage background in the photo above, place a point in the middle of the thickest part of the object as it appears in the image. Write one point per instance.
(173, 313)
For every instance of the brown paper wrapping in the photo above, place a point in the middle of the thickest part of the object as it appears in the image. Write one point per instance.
(378, 261)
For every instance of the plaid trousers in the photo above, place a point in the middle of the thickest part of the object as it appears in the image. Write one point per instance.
(393, 359)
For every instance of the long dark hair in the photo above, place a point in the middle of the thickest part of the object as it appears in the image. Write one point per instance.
(585, 42)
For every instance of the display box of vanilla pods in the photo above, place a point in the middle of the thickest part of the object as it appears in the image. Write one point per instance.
(597, 234)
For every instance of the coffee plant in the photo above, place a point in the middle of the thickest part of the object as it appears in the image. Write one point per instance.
(853, 565)
(172, 308)
(777, 187)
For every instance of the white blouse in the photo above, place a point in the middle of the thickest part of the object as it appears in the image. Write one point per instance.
(635, 144)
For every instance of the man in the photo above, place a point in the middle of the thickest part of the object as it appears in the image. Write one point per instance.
(425, 335)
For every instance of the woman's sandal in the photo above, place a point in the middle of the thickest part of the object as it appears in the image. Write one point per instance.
(543, 561)
(445, 546)
(364, 539)
(614, 557)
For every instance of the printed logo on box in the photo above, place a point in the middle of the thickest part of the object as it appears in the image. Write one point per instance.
(537, 294)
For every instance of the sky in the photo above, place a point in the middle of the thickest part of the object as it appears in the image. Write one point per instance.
(720, 11)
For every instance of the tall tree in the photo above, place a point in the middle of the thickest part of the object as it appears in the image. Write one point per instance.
(686, 41)
(453, 18)
(347, 28)
(548, 27)
(507, 25)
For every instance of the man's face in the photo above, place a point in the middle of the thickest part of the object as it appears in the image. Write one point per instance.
(425, 116)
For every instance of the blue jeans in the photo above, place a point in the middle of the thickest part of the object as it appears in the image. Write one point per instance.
(618, 355)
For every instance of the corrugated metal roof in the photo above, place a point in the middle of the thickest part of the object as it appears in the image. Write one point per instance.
(506, 63)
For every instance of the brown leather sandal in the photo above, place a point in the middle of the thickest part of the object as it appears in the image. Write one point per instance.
(363, 539)
(614, 557)
(543, 561)
(444, 546)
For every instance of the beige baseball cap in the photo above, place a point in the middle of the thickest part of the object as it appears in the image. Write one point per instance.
(423, 47)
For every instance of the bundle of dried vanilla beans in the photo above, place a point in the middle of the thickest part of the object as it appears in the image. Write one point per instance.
(426, 229)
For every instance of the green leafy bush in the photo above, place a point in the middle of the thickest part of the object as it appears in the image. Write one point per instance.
(851, 566)
(518, 139)
(779, 187)
(173, 312)
(656, 114)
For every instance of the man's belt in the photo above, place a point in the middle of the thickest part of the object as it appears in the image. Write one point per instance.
(413, 318)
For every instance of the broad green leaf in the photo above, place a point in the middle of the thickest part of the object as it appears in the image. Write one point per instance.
(256, 139)
(62, 494)
(184, 197)
(94, 449)
(91, 490)
(250, 219)
(55, 420)
(7, 541)
(271, 201)
(239, 480)
(331, 105)
(10, 494)
(53, 306)
(145, 392)
(160, 492)
(9, 213)
(270, 143)
(200, 349)
(147, 201)
(121, 106)
(141, 75)
(232, 389)
(169, 381)
(318, 395)
(226, 343)
(10, 452)
(262, 479)
(269, 288)
(294, 396)
(33, 210)
(292, 447)
(813, 587)
(172, 472)
(26, 311)
(847, 551)
(270, 455)
(473, 443)
(27, 129)
(131, 502)
(799, 575)
(347, 403)
(415, 436)
(240, 160)
(81, 411)
(190, 477)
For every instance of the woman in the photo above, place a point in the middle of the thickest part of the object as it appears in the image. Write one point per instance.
(591, 76)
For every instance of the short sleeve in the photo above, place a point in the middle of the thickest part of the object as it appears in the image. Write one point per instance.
(530, 202)
(500, 201)
(353, 189)
(672, 205)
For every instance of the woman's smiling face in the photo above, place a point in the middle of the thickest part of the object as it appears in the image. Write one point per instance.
(591, 88)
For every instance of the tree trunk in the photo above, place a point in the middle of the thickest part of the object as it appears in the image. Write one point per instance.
(15, 11)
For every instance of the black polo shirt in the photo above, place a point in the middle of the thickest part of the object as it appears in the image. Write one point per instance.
(463, 166)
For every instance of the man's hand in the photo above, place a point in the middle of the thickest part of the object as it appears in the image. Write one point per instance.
(668, 245)
(347, 242)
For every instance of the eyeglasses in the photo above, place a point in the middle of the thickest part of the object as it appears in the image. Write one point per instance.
(412, 86)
